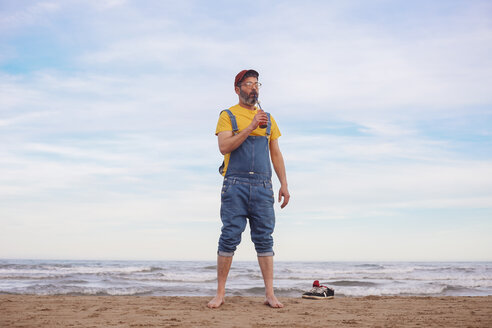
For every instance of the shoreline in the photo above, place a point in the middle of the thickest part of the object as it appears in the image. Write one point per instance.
(198, 278)
(239, 311)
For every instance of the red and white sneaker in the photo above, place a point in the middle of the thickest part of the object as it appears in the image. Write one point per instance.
(319, 292)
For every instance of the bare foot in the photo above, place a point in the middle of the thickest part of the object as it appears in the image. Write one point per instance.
(216, 302)
(273, 302)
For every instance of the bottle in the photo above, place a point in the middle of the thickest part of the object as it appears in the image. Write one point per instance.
(263, 125)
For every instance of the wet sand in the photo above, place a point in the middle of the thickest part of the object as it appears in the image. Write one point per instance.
(146, 311)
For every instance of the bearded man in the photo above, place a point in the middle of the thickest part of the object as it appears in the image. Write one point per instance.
(248, 139)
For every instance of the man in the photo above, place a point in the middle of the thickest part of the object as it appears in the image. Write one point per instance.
(248, 137)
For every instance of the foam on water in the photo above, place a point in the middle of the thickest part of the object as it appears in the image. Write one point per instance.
(176, 278)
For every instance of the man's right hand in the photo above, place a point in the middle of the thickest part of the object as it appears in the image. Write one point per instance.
(228, 141)
(259, 119)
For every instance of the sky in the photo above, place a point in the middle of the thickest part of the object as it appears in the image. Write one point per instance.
(108, 112)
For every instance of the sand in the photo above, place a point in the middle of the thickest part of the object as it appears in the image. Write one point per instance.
(146, 311)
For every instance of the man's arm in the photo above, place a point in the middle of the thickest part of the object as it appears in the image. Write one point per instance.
(228, 142)
(279, 166)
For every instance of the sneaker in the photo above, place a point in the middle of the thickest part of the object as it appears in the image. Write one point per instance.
(319, 292)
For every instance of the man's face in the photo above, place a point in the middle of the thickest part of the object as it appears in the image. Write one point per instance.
(248, 94)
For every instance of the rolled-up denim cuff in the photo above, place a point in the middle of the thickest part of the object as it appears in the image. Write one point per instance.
(226, 254)
(266, 254)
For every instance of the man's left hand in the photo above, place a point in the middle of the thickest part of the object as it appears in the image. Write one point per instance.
(283, 192)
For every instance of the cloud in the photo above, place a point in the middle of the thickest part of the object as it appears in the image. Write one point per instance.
(19, 15)
(384, 110)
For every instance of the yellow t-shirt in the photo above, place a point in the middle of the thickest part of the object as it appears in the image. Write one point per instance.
(244, 117)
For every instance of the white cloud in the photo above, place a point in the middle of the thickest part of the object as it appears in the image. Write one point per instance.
(37, 13)
(122, 133)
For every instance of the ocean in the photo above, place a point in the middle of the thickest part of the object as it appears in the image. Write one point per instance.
(198, 278)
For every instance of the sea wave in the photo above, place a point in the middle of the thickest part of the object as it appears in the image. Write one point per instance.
(351, 283)
(176, 278)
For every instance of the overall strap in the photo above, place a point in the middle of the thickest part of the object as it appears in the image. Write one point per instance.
(269, 125)
(233, 121)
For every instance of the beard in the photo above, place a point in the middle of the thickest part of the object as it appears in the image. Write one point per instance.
(248, 98)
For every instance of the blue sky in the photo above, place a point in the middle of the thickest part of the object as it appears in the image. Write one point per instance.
(108, 111)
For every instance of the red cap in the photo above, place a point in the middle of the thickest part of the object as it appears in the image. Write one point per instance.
(240, 75)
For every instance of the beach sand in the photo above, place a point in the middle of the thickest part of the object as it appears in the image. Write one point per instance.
(146, 311)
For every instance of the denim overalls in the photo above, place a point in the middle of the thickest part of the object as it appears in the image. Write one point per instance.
(247, 194)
